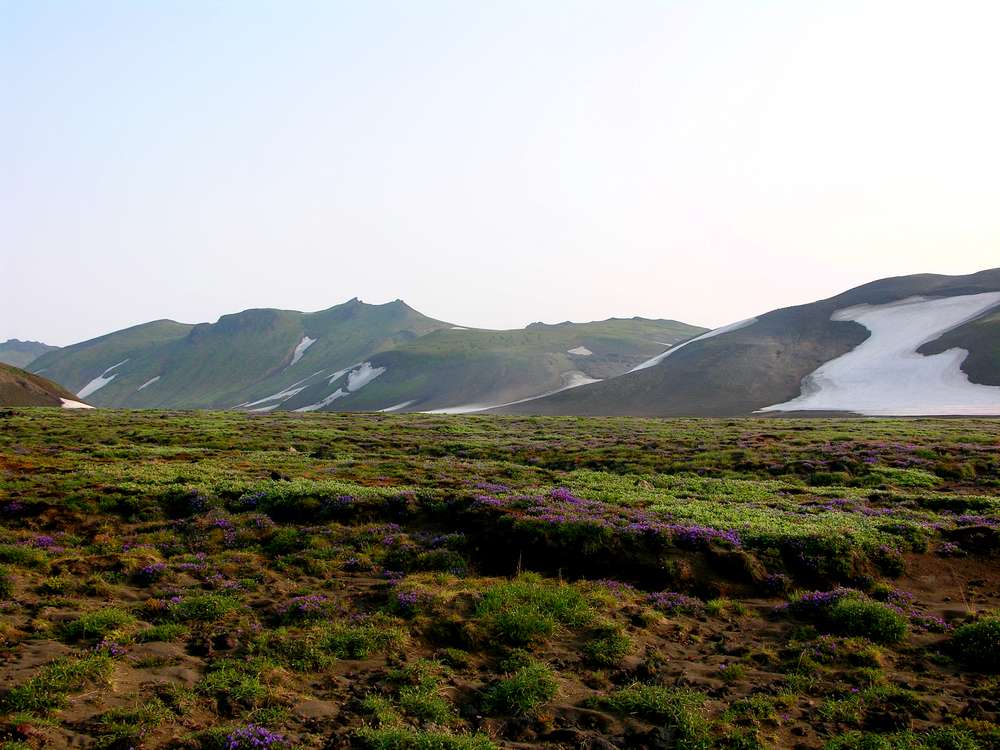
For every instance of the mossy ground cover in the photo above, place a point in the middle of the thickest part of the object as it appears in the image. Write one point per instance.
(212, 580)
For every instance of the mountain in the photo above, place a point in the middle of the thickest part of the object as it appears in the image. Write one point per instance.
(351, 357)
(241, 357)
(910, 345)
(22, 353)
(461, 369)
(20, 388)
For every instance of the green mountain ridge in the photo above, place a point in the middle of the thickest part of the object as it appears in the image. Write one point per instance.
(351, 357)
(22, 353)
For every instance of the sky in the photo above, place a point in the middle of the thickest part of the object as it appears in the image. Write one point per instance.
(492, 164)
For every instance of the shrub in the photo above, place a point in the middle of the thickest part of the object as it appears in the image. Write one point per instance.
(23, 556)
(97, 624)
(524, 691)
(873, 620)
(6, 583)
(363, 640)
(46, 690)
(677, 707)
(168, 631)
(608, 649)
(978, 643)
(411, 739)
(527, 609)
(203, 607)
(237, 679)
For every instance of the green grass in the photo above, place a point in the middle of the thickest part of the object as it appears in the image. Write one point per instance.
(678, 708)
(978, 643)
(414, 739)
(97, 625)
(528, 609)
(48, 688)
(516, 618)
(523, 692)
(873, 620)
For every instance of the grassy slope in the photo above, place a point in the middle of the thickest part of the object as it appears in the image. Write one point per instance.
(762, 364)
(78, 364)
(171, 578)
(241, 357)
(22, 353)
(20, 388)
(456, 367)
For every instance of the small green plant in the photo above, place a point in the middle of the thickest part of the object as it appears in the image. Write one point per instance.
(528, 609)
(609, 648)
(204, 607)
(523, 692)
(398, 738)
(731, 672)
(47, 689)
(6, 583)
(677, 707)
(978, 643)
(96, 625)
(238, 680)
(167, 631)
(869, 619)
(125, 727)
(360, 641)
(22, 556)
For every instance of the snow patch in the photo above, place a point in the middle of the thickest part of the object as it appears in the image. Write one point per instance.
(459, 328)
(100, 381)
(68, 403)
(359, 378)
(148, 382)
(715, 332)
(884, 375)
(571, 379)
(300, 349)
(397, 407)
(281, 396)
(580, 351)
(340, 373)
(325, 402)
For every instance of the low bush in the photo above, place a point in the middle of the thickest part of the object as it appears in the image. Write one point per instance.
(978, 643)
(522, 692)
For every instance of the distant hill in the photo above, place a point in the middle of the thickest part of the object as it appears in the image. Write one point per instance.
(923, 344)
(22, 353)
(20, 388)
(353, 356)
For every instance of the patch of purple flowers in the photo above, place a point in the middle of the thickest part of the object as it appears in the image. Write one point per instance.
(672, 602)
(150, 573)
(305, 607)
(255, 737)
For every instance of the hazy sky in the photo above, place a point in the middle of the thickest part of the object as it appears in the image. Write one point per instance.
(491, 163)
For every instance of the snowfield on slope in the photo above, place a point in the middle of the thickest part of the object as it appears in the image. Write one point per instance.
(281, 396)
(580, 351)
(362, 376)
(715, 332)
(885, 376)
(147, 383)
(68, 403)
(300, 349)
(100, 381)
(356, 380)
(571, 379)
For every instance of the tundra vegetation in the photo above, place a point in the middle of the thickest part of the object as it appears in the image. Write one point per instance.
(229, 581)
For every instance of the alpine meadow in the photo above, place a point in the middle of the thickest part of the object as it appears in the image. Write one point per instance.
(555, 375)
